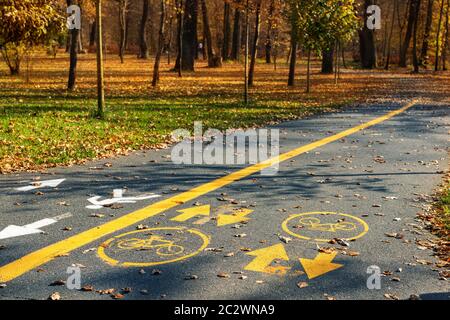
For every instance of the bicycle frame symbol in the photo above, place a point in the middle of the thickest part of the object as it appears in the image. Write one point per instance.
(316, 225)
(161, 246)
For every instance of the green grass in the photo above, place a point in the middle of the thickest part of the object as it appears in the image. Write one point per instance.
(41, 131)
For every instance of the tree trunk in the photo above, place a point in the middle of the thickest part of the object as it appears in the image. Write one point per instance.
(254, 52)
(409, 31)
(327, 60)
(446, 39)
(308, 73)
(389, 41)
(123, 28)
(226, 31)
(180, 16)
(189, 43)
(269, 32)
(367, 42)
(426, 36)
(292, 58)
(143, 46)
(161, 40)
(100, 88)
(438, 37)
(92, 34)
(237, 36)
(73, 55)
(247, 40)
(213, 60)
(416, 21)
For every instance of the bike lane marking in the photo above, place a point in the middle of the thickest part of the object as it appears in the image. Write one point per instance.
(37, 258)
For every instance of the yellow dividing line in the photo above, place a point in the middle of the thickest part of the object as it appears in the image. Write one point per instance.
(44, 255)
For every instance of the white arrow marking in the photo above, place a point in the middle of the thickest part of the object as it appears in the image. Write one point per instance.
(42, 184)
(13, 231)
(117, 198)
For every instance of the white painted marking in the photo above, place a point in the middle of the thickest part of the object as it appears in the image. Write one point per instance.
(118, 197)
(42, 184)
(13, 231)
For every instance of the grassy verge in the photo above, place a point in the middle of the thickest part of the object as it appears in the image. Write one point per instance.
(35, 133)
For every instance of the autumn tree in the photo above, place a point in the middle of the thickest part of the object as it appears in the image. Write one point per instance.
(24, 24)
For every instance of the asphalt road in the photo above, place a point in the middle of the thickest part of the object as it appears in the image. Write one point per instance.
(370, 183)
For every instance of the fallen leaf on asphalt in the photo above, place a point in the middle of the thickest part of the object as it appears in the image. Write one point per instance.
(191, 277)
(142, 227)
(89, 250)
(326, 250)
(245, 249)
(242, 277)
(228, 255)
(351, 253)
(106, 291)
(2, 285)
(285, 239)
(117, 296)
(55, 296)
(143, 292)
(87, 288)
(67, 229)
(395, 235)
(142, 271)
(395, 279)
(126, 290)
(391, 296)
(423, 262)
(259, 281)
(242, 235)
(156, 272)
(97, 215)
(223, 275)
(302, 285)
(58, 283)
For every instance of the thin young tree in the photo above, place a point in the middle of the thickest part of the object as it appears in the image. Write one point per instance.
(416, 22)
(438, 37)
(446, 38)
(226, 31)
(254, 49)
(122, 7)
(427, 33)
(161, 40)
(100, 81)
(73, 51)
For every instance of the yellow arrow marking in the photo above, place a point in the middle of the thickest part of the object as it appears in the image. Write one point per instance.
(320, 265)
(265, 256)
(190, 213)
(238, 216)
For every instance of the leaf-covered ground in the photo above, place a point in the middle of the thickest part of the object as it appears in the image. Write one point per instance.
(41, 125)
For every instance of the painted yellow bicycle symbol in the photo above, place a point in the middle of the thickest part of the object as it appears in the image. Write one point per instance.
(315, 224)
(324, 226)
(161, 246)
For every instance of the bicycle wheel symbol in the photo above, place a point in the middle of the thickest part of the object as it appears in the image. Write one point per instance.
(152, 247)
